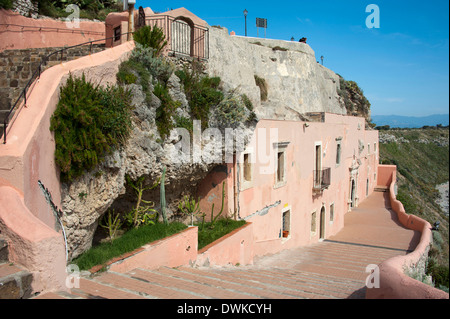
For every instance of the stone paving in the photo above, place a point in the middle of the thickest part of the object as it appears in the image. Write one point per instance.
(333, 268)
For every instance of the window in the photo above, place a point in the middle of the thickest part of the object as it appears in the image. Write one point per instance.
(338, 153)
(117, 33)
(332, 213)
(368, 148)
(281, 165)
(375, 147)
(286, 223)
(247, 168)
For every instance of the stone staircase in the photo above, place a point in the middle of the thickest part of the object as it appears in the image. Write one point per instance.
(15, 282)
(327, 270)
(192, 283)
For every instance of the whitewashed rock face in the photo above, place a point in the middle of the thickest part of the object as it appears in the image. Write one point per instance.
(297, 84)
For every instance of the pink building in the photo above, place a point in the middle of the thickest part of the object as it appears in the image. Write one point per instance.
(296, 180)
(186, 34)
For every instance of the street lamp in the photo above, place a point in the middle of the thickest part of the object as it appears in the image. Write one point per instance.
(321, 59)
(245, 15)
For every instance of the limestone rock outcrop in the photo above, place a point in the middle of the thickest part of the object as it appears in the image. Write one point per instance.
(296, 82)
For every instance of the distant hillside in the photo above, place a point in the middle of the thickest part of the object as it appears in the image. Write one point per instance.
(410, 121)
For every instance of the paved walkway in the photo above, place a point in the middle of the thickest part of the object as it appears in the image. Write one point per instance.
(334, 268)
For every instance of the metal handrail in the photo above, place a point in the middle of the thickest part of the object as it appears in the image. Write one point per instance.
(37, 74)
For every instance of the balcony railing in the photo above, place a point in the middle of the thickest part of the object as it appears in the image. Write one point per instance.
(322, 179)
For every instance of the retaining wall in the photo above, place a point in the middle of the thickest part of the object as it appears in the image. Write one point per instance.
(28, 157)
(394, 283)
(176, 250)
(234, 248)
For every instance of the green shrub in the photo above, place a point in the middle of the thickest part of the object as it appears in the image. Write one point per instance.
(231, 111)
(439, 273)
(151, 37)
(6, 4)
(184, 122)
(158, 67)
(202, 92)
(89, 122)
(165, 111)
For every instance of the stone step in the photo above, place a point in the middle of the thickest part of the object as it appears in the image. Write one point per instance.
(210, 283)
(15, 282)
(382, 189)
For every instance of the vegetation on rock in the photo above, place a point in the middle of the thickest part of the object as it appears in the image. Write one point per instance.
(353, 98)
(89, 122)
(89, 9)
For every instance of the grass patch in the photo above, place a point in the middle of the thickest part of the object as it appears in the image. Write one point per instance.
(207, 235)
(130, 241)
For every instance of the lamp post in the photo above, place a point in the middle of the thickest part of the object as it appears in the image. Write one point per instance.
(321, 58)
(245, 16)
(131, 4)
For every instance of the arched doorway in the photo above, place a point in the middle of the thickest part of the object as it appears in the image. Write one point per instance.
(183, 36)
(322, 223)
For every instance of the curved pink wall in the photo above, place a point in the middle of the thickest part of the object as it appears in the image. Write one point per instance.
(394, 284)
(18, 32)
(32, 244)
(28, 156)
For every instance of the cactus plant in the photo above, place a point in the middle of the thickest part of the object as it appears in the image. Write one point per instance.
(189, 207)
(213, 219)
(163, 198)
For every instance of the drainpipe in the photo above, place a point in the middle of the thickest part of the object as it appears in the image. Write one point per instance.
(234, 187)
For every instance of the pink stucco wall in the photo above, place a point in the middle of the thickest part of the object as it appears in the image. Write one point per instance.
(32, 244)
(394, 284)
(234, 248)
(263, 203)
(28, 155)
(385, 174)
(18, 32)
(176, 250)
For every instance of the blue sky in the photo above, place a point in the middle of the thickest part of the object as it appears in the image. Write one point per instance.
(403, 66)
